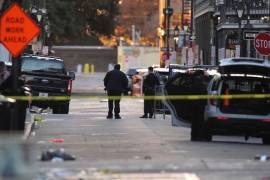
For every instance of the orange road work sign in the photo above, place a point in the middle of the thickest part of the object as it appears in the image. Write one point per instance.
(17, 29)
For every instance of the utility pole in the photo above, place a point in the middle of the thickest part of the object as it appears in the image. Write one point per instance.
(168, 3)
(167, 11)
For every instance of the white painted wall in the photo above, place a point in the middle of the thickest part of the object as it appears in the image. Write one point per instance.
(134, 56)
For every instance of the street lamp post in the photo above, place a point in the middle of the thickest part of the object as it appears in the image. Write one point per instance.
(176, 37)
(167, 11)
(186, 44)
(240, 11)
(39, 15)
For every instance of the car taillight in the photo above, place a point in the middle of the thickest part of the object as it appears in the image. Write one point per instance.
(221, 118)
(266, 120)
(69, 86)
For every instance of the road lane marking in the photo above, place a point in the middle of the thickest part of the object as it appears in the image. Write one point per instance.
(90, 125)
(159, 176)
(107, 134)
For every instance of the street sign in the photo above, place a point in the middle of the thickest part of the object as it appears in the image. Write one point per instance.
(164, 49)
(250, 35)
(262, 43)
(17, 29)
(168, 11)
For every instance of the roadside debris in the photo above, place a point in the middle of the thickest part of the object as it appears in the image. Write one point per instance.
(38, 120)
(56, 140)
(262, 158)
(58, 155)
(147, 157)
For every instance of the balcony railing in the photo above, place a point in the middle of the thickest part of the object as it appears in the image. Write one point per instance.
(258, 7)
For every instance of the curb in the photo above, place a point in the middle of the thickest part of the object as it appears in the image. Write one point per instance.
(29, 126)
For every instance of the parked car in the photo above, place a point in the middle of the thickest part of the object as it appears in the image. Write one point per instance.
(179, 85)
(240, 116)
(48, 77)
(130, 73)
(162, 74)
(237, 116)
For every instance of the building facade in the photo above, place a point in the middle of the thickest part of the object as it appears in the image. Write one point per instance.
(232, 27)
(221, 33)
(203, 26)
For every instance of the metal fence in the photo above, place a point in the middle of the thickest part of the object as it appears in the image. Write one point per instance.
(159, 106)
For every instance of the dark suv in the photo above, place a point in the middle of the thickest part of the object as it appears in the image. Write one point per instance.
(237, 100)
(47, 77)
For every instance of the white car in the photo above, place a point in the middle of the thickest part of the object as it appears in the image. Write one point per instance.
(243, 115)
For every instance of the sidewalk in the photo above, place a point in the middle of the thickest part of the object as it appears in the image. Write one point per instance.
(29, 124)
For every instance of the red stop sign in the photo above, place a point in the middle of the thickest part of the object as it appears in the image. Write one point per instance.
(262, 43)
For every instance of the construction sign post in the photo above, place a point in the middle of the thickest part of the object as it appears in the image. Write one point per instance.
(17, 29)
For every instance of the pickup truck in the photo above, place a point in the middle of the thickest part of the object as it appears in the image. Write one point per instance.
(47, 77)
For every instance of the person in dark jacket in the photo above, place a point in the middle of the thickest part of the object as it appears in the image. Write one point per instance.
(149, 84)
(115, 83)
(198, 87)
(19, 108)
(5, 79)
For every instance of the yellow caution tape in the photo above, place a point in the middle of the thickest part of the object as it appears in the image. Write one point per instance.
(170, 97)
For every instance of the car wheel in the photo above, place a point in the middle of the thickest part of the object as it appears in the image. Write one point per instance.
(201, 132)
(195, 132)
(266, 140)
(207, 132)
(65, 109)
(56, 110)
(61, 109)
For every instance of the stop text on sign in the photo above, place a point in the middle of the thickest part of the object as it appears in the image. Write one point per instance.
(262, 43)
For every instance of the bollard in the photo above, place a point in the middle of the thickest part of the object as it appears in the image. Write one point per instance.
(86, 69)
(79, 68)
(92, 69)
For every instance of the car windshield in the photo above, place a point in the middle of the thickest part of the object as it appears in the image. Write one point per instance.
(244, 86)
(42, 65)
(131, 72)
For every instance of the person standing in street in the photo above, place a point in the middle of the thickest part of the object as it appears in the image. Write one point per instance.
(198, 87)
(5, 79)
(115, 83)
(149, 84)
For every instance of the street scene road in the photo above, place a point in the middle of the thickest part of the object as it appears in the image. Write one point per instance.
(193, 77)
(139, 146)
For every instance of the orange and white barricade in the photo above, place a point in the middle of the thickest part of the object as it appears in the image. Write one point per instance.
(137, 85)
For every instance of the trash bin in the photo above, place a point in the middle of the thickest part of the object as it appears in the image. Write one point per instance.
(6, 113)
(12, 114)
(19, 122)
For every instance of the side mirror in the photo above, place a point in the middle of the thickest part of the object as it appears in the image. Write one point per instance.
(71, 75)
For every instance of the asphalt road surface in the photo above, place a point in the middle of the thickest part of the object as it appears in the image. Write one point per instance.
(134, 148)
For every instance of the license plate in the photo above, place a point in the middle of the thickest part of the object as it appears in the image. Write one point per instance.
(41, 94)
